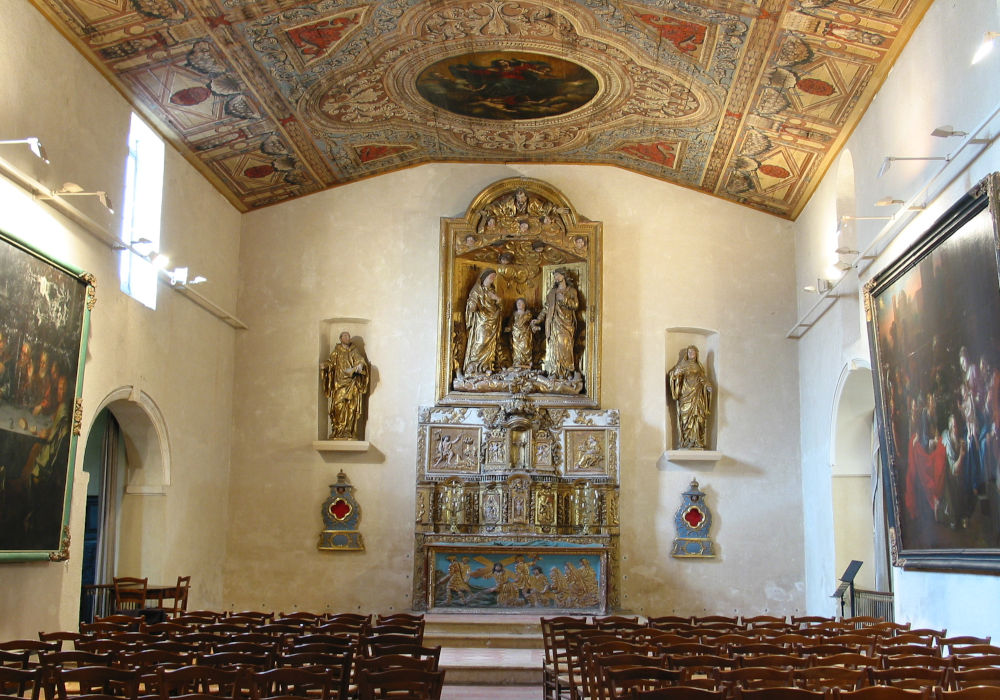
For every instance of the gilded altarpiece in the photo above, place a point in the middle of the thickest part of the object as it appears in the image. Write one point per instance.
(517, 462)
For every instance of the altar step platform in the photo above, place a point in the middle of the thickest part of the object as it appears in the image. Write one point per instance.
(488, 650)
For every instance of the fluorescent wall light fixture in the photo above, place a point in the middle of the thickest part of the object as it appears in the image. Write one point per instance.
(822, 286)
(889, 160)
(891, 201)
(71, 189)
(984, 49)
(34, 144)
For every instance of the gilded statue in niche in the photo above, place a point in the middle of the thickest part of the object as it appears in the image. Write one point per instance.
(692, 392)
(345, 377)
(559, 315)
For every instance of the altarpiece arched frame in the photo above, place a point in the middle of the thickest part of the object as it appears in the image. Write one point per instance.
(527, 231)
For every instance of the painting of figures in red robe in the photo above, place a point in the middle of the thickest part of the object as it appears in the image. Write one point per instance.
(934, 327)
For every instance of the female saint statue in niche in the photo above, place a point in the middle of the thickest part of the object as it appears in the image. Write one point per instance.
(345, 383)
(692, 392)
(482, 322)
(559, 314)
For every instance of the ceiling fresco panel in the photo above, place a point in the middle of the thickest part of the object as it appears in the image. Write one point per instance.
(748, 100)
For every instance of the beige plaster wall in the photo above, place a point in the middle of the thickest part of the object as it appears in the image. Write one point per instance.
(932, 84)
(369, 251)
(179, 355)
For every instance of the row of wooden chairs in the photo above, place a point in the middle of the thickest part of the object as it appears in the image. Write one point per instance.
(565, 672)
(869, 693)
(204, 682)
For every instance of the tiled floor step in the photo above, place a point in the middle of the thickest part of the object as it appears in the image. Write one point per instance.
(488, 650)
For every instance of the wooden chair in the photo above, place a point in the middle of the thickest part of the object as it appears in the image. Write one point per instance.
(103, 645)
(775, 660)
(882, 692)
(909, 677)
(960, 661)
(20, 683)
(236, 661)
(410, 619)
(148, 661)
(978, 692)
(801, 621)
(677, 692)
(60, 638)
(906, 649)
(664, 621)
(699, 669)
(921, 660)
(191, 682)
(763, 620)
(823, 678)
(969, 677)
(861, 621)
(619, 681)
(779, 694)
(946, 643)
(558, 635)
(400, 683)
(597, 659)
(95, 682)
(130, 595)
(336, 665)
(292, 682)
(418, 651)
(848, 660)
(753, 677)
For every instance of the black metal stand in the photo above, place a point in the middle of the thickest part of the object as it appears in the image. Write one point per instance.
(847, 583)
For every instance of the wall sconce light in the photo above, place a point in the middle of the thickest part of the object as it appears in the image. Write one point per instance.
(159, 261)
(71, 189)
(887, 163)
(989, 38)
(34, 144)
(844, 250)
(822, 286)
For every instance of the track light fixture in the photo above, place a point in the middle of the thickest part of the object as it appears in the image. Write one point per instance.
(71, 189)
(889, 160)
(34, 144)
(984, 49)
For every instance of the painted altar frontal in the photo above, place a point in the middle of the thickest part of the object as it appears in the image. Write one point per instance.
(517, 463)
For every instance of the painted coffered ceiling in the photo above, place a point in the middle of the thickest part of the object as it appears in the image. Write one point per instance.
(749, 100)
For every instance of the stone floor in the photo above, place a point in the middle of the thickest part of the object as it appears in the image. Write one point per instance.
(491, 670)
(490, 692)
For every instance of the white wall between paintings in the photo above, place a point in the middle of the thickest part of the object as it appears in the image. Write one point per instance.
(180, 356)
(672, 258)
(931, 85)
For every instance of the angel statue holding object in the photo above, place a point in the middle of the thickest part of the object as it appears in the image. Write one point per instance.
(345, 382)
(691, 390)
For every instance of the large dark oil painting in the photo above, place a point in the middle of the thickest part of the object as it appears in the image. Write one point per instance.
(43, 321)
(934, 327)
(507, 85)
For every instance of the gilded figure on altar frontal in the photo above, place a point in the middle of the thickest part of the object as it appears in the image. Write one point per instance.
(692, 392)
(482, 322)
(559, 315)
(345, 382)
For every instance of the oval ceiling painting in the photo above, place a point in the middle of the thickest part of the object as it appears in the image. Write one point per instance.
(507, 85)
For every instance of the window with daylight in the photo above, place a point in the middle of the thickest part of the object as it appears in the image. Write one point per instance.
(141, 212)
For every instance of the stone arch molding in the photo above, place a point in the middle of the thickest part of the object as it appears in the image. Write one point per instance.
(147, 441)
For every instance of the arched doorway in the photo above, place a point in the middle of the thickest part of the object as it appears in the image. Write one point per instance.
(858, 512)
(127, 457)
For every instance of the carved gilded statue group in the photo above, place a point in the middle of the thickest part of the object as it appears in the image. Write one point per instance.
(522, 312)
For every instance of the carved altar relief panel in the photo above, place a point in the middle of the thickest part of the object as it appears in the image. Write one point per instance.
(521, 300)
(453, 450)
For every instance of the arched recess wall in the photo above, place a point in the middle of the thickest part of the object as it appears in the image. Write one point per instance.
(851, 473)
(141, 519)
